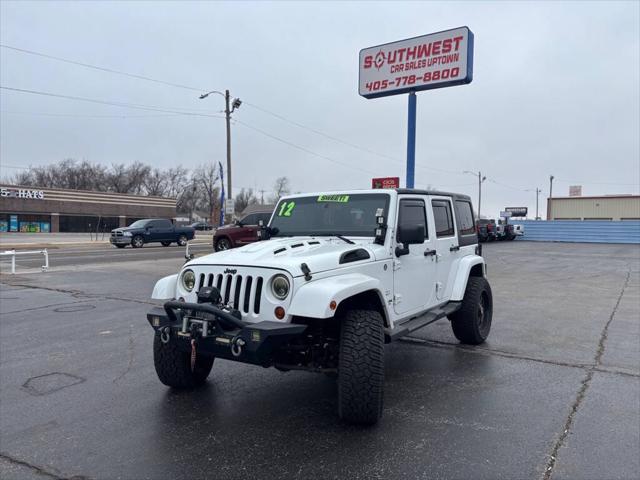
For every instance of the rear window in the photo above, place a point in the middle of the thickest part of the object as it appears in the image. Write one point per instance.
(465, 216)
(443, 218)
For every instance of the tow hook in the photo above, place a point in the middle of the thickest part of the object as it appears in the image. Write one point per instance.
(164, 335)
(236, 346)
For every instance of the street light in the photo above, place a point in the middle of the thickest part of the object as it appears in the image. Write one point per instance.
(227, 112)
(480, 180)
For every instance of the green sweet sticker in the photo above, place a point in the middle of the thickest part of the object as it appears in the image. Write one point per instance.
(334, 198)
(286, 209)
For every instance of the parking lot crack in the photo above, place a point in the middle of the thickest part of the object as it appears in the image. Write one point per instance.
(132, 353)
(584, 385)
(37, 469)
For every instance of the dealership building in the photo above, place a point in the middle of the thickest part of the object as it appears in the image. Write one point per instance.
(608, 207)
(34, 210)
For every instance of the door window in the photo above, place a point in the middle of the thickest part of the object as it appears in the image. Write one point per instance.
(465, 216)
(412, 213)
(443, 218)
(250, 220)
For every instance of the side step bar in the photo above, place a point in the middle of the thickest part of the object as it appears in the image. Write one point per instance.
(423, 320)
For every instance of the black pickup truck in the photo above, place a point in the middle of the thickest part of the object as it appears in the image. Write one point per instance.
(151, 230)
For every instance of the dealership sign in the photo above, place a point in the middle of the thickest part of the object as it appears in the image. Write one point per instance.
(436, 60)
(21, 193)
(517, 211)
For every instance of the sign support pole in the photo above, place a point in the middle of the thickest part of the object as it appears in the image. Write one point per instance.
(411, 141)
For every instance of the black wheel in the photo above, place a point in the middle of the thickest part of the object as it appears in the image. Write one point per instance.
(165, 244)
(182, 240)
(137, 241)
(173, 366)
(120, 246)
(472, 323)
(222, 244)
(361, 367)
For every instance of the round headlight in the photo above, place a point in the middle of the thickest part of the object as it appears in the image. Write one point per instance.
(188, 280)
(280, 286)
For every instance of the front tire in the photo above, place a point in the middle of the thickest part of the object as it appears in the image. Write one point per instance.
(120, 246)
(472, 323)
(137, 241)
(173, 366)
(222, 244)
(361, 367)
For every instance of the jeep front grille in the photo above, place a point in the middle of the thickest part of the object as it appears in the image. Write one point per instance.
(242, 292)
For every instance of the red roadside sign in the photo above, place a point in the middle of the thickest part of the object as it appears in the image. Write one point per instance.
(385, 182)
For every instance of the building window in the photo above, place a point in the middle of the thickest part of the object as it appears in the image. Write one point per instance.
(87, 223)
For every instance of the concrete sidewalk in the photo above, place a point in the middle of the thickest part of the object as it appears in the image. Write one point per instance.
(21, 241)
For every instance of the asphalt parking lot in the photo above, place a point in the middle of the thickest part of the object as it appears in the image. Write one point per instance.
(554, 393)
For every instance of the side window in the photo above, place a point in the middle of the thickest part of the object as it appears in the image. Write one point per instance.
(250, 220)
(465, 216)
(412, 213)
(264, 217)
(443, 218)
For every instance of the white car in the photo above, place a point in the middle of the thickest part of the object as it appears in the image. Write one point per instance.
(518, 230)
(334, 278)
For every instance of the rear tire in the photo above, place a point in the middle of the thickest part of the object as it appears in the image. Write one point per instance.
(173, 366)
(361, 367)
(222, 244)
(472, 323)
(182, 240)
(137, 241)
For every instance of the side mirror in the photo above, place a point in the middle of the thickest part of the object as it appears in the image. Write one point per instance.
(237, 223)
(412, 235)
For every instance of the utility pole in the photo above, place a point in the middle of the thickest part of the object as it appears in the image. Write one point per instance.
(550, 197)
(537, 194)
(230, 107)
(227, 114)
(480, 180)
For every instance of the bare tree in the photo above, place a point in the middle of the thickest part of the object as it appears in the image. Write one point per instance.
(206, 179)
(281, 187)
(244, 199)
(155, 183)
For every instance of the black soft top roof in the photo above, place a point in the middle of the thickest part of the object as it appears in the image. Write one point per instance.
(417, 191)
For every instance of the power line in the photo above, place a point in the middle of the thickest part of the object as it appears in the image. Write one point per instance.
(343, 142)
(103, 69)
(151, 108)
(77, 115)
(304, 149)
(172, 84)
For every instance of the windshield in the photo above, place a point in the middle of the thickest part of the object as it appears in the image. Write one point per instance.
(138, 224)
(323, 215)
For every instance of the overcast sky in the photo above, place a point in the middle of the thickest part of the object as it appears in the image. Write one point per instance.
(555, 91)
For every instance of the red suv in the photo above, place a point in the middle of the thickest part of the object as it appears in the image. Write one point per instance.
(241, 232)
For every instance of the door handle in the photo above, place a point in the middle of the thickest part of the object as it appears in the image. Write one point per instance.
(428, 253)
(454, 248)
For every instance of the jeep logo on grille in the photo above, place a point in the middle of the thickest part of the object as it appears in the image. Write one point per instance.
(232, 271)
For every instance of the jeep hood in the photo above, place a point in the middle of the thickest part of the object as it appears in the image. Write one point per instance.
(319, 253)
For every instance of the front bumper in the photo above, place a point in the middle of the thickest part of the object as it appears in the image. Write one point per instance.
(219, 333)
(120, 240)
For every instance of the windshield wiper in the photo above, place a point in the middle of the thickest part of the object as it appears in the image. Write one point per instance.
(345, 239)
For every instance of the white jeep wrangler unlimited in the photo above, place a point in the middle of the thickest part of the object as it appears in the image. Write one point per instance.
(334, 278)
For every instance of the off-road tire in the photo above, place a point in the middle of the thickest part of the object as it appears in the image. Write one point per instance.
(165, 244)
(173, 366)
(222, 244)
(361, 367)
(472, 323)
(137, 241)
(182, 240)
